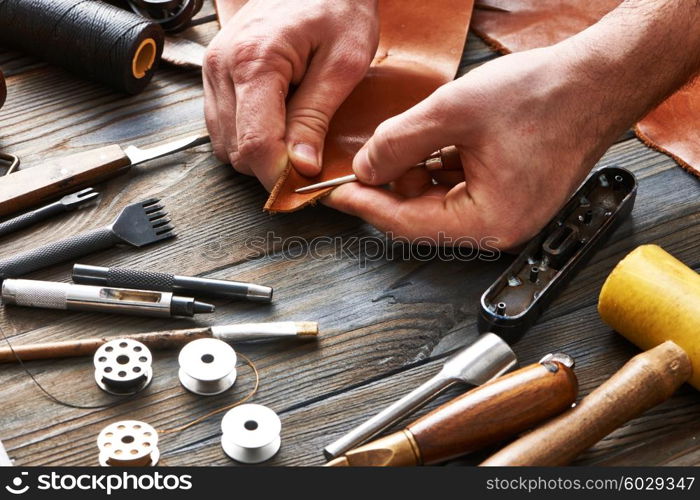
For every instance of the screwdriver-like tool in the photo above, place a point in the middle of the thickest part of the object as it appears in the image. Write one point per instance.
(29, 187)
(66, 204)
(442, 159)
(485, 359)
(483, 416)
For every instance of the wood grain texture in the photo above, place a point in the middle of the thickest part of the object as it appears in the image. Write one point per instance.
(25, 189)
(386, 322)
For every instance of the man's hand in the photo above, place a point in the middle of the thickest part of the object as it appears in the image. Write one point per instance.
(529, 127)
(323, 48)
(526, 140)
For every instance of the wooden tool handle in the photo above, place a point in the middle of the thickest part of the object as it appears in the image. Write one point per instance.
(494, 411)
(87, 347)
(32, 186)
(645, 381)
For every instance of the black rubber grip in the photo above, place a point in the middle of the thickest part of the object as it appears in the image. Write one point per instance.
(59, 251)
(141, 280)
(30, 218)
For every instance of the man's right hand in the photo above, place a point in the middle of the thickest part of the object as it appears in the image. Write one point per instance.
(323, 48)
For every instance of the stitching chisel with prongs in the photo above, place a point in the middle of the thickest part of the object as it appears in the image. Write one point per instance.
(66, 204)
(138, 224)
(29, 187)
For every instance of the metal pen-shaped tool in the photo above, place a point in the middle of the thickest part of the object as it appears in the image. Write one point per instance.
(66, 204)
(482, 361)
(71, 297)
(442, 159)
(132, 278)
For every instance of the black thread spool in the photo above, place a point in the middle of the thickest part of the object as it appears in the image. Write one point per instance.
(90, 38)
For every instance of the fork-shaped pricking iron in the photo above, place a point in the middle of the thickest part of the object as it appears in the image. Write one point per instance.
(139, 224)
(65, 204)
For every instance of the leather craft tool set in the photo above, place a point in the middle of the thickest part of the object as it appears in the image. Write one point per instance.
(647, 291)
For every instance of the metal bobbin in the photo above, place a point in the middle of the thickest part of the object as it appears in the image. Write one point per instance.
(207, 366)
(251, 433)
(128, 443)
(123, 366)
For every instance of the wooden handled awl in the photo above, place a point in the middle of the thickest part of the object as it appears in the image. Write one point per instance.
(31, 186)
(654, 301)
(172, 339)
(483, 416)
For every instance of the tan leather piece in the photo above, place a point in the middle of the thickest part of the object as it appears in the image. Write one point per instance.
(672, 128)
(536, 23)
(421, 44)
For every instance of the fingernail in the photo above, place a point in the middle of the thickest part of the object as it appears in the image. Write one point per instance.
(306, 152)
(362, 167)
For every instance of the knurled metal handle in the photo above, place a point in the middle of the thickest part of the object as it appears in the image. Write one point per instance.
(58, 251)
(29, 218)
(142, 280)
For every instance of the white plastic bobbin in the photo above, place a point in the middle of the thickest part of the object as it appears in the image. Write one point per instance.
(128, 443)
(207, 366)
(123, 366)
(251, 433)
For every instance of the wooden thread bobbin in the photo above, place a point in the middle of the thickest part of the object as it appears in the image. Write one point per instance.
(251, 433)
(128, 443)
(207, 366)
(123, 367)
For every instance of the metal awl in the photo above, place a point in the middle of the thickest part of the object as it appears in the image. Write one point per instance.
(443, 159)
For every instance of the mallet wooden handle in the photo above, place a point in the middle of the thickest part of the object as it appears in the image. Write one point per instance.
(32, 186)
(645, 381)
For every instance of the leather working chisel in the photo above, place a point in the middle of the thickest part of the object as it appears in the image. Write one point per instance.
(29, 187)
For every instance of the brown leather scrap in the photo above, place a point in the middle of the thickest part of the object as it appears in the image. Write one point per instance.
(526, 24)
(673, 127)
(420, 46)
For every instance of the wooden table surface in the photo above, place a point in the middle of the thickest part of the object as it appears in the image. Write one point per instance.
(386, 324)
